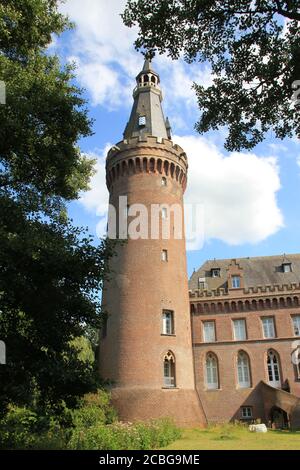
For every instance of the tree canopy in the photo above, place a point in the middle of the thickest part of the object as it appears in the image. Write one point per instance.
(50, 271)
(253, 48)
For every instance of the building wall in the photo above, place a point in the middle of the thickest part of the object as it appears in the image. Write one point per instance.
(225, 403)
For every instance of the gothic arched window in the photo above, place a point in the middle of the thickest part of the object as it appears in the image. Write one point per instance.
(212, 373)
(273, 365)
(243, 370)
(169, 370)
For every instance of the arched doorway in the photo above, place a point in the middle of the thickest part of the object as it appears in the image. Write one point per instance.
(279, 418)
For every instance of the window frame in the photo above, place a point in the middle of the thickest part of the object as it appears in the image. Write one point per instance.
(164, 256)
(233, 278)
(142, 120)
(234, 320)
(169, 360)
(205, 322)
(247, 416)
(263, 319)
(241, 368)
(274, 368)
(296, 317)
(287, 265)
(165, 323)
(215, 272)
(214, 372)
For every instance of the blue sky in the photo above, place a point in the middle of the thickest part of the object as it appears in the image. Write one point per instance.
(250, 199)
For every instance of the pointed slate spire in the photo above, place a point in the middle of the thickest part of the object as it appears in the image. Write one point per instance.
(147, 116)
(147, 66)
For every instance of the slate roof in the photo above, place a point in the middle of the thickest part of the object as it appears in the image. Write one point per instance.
(257, 271)
(147, 103)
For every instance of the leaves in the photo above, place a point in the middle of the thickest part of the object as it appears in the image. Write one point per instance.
(254, 56)
(50, 271)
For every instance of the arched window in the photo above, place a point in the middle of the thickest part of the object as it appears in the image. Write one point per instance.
(169, 370)
(243, 370)
(212, 373)
(273, 364)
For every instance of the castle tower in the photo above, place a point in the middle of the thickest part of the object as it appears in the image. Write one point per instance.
(145, 346)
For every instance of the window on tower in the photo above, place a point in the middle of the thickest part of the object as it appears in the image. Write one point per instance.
(142, 121)
(164, 181)
(164, 255)
(168, 322)
(169, 379)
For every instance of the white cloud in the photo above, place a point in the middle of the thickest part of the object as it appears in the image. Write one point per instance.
(107, 62)
(237, 193)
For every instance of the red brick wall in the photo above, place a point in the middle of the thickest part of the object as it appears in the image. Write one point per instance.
(224, 404)
(141, 287)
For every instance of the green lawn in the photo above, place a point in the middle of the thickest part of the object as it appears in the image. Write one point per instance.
(235, 437)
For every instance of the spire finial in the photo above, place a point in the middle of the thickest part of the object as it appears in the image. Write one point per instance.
(147, 65)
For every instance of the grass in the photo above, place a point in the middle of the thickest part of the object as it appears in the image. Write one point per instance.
(235, 437)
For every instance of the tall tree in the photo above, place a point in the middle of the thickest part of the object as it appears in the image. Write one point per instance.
(50, 271)
(253, 48)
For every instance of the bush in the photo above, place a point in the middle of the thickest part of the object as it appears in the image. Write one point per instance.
(91, 427)
(17, 428)
(125, 436)
(23, 428)
(95, 410)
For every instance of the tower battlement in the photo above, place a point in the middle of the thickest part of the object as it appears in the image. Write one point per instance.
(147, 154)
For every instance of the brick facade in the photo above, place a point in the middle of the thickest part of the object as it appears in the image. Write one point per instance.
(153, 372)
(252, 304)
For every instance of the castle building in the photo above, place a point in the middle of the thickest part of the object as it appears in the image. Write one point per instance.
(245, 317)
(217, 349)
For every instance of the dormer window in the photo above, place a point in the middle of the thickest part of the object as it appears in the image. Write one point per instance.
(286, 267)
(142, 121)
(201, 283)
(236, 282)
(215, 272)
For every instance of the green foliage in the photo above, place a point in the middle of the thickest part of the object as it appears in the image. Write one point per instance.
(254, 57)
(93, 426)
(25, 429)
(95, 410)
(124, 436)
(50, 271)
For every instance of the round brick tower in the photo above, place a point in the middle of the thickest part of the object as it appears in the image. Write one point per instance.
(145, 346)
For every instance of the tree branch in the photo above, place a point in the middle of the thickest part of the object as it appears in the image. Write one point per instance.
(292, 15)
